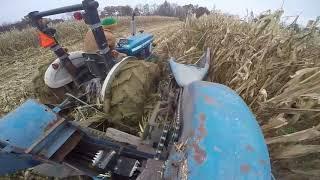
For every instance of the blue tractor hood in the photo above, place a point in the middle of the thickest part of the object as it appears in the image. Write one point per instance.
(137, 45)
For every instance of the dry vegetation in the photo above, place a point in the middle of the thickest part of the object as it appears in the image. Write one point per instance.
(19, 63)
(15, 40)
(20, 58)
(274, 69)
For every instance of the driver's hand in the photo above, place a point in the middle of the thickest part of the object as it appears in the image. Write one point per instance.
(114, 53)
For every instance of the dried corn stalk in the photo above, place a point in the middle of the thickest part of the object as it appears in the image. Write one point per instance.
(275, 69)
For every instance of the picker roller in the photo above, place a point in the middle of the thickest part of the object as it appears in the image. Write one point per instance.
(213, 134)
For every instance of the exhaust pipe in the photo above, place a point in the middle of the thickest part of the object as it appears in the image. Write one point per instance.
(133, 24)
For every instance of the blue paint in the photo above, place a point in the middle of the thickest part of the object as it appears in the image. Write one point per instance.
(28, 126)
(19, 130)
(137, 45)
(224, 139)
(10, 163)
(54, 140)
(23, 126)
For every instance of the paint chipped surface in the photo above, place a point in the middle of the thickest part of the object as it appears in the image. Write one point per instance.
(199, 154)
(51, 124)
(245, 168)
(202, 117)
(215, 152)
(249, 148)
(208, 100)
(202, 132)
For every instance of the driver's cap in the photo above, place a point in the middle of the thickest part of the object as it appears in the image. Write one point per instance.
(109, 23)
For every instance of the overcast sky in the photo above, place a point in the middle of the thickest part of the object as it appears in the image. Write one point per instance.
(13, 10)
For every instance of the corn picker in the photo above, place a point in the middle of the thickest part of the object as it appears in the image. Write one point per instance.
(212, 134)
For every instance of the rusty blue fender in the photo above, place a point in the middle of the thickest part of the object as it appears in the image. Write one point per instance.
(221, 138)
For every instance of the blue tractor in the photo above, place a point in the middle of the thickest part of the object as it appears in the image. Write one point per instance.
(213, 134)
(138, 45)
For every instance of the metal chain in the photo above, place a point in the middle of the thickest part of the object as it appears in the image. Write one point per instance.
(175, 125)
(163, 139)
(177, 120)
(165, 130)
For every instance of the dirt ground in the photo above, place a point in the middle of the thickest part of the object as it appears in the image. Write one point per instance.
(17, 72)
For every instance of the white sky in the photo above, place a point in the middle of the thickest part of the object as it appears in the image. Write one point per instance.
(13, 10)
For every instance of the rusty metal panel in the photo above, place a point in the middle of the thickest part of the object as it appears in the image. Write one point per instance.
(223, 139)
(67, 147)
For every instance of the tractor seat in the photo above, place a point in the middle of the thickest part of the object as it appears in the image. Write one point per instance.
(186, 74)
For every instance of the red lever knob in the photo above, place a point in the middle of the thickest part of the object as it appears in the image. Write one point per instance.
(77, 16)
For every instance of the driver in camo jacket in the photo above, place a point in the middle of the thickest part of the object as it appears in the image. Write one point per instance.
(109, 25)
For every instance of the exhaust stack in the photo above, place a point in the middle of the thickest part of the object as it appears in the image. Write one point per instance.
(133, 25)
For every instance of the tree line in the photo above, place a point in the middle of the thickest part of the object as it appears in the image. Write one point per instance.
(23, 23)
(164, 9)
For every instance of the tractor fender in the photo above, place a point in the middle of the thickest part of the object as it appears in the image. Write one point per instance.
(55, 78)
(220, 138)
(106, 86)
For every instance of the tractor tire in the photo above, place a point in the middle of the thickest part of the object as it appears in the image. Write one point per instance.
(40, 90)
(131, 87)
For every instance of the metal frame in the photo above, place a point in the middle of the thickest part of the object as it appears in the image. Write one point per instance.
(91, 17)
(51, 139)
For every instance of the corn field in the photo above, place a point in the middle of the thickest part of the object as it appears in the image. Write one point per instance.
(276, 71)
(15, 40)
(274, 68)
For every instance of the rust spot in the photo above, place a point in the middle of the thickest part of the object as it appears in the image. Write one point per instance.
(249, 148)
(199, 154)
(51, 124)
(245, 168)
(262, 162)
(208, 100)
(192, 133)
(202, 117)
(202, 132)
